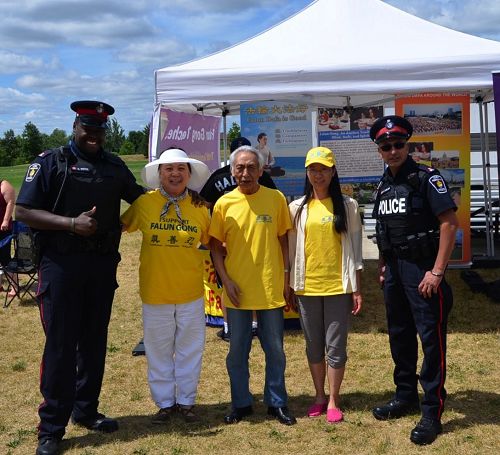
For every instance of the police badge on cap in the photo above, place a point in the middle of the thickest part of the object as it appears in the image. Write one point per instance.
(390, 126)
(92, 113)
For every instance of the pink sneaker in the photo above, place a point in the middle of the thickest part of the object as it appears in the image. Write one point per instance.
(316, 409)
(334, 415)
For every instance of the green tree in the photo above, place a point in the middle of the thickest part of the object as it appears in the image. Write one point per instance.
(144, 148)
(56, 139)
(233, 133)
(127, 148)
(115, 136)
(10, 148)
(135, 137)
(31, 143)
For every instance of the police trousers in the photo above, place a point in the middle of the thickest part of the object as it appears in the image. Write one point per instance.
(75, 296)
(409, 314)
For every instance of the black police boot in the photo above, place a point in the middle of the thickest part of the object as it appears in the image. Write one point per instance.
(48, 446)
(395, 409)
(98, 423)
(282, 414)
(237, 414)
(426, 431)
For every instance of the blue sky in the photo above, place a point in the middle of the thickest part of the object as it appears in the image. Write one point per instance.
(53, 52)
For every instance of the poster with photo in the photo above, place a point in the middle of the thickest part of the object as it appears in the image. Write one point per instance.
(282, 132)
(441, 140)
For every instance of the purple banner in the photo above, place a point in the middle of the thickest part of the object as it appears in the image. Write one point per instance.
(197, 134)
(496, 95)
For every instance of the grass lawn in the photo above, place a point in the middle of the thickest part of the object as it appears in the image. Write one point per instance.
(471, 420)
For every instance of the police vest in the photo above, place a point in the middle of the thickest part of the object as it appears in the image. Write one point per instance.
(401, 208)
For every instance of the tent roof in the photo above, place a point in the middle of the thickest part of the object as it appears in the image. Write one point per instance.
(332, 49)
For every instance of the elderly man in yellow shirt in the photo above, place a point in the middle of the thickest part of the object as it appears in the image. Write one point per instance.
(252, 221)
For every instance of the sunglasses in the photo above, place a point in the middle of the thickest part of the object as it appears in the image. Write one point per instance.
(389, 147)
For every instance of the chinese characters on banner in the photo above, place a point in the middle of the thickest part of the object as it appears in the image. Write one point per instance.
(441, 140)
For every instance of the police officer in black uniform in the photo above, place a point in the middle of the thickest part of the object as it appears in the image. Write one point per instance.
(416, 227)
(71, 198)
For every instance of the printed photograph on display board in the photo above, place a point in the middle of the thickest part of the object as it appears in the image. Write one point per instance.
(363, 118)
(282, 132)
(434, 119)
(441, 140)
(421, 152)
(332, 119)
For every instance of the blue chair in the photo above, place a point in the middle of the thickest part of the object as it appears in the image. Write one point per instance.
(23, 263)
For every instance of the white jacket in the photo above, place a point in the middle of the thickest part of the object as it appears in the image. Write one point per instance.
(352, 258)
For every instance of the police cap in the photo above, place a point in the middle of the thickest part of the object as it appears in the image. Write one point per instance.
(92, 113)
(390, 126)
(238, 142)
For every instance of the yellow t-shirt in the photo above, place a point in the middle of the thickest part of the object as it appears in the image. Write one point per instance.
(250, 226)
(323, 251)
(171, 265)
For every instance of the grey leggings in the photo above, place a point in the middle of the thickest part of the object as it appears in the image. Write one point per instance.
(325, 322)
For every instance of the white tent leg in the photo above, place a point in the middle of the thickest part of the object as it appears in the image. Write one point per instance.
(486, 183)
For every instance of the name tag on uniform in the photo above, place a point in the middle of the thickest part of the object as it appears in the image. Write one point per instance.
(81, 170)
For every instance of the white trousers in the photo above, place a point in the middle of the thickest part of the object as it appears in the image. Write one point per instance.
(174, 338)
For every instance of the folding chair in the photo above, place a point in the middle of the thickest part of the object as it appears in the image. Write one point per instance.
(23, 263)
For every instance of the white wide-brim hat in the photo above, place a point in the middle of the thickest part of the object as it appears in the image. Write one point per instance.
(199, 170)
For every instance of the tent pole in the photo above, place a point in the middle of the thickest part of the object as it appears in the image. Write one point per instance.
(479, 100)
(224, 134)
(489, 205)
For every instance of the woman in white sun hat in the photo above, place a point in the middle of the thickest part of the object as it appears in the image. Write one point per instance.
(174, 220)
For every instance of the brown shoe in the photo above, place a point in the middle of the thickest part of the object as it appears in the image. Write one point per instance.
(187, 413)
(163, 415)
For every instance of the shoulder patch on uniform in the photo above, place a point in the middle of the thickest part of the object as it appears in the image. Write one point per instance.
(32, 171)
(438, 184)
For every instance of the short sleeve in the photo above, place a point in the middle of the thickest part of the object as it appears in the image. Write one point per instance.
(130, 219)
(36, 187)
(284, 222)
(438, 195)
(216, 229)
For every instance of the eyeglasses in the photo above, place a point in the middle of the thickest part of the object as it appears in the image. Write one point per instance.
(389, 147)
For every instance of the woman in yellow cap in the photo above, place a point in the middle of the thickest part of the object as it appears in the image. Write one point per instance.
(326, 264)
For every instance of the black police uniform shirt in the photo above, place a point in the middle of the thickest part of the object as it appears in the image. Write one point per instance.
(410, 202)
(221, 182)
(100, 181)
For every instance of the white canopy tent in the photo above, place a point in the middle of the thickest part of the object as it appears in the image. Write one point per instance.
(333, 49)
(334, 53)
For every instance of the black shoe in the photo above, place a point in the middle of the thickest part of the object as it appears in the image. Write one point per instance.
(98, 423)
(426, 431)
(395, 409)
(237, 414)
(282, 414)
(223, 335)
(48, 446)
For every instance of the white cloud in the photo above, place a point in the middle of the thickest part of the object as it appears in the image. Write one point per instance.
(12, 63)
(162, 52)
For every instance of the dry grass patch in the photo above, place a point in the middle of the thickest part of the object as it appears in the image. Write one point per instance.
(470, 421)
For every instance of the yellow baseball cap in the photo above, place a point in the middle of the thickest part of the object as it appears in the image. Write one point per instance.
(320, 155)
